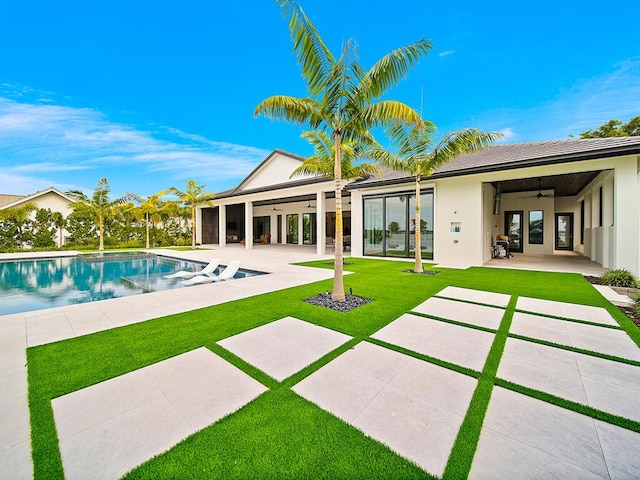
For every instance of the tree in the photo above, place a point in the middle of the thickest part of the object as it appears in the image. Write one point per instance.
(615, 128)
(18, 222)
(100, 206)
(60, 222)
(418, 156)
(192, 197)
(342, 100)
(150, 208)
(44, 231)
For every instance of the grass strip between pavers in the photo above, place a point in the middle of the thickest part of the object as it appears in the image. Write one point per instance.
(464, 448)
(567, 319)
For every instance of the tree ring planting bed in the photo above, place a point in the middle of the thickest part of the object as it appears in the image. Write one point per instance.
(351, 302)
(424, 272)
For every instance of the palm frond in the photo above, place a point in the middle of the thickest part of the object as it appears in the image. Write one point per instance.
(291, 109)
(313, 55)
(467, 140)
(385, 112)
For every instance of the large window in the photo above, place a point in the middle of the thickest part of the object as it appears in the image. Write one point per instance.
(261, 227)
(309, 228)
(292, 228)
(390, 225)
(536, 224)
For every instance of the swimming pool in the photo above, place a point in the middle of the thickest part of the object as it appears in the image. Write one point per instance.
(35, 284)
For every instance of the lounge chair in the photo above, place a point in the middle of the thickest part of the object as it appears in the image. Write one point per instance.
(210, 268)
(226, 274)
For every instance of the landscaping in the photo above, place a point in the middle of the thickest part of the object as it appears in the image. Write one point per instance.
(280, 434)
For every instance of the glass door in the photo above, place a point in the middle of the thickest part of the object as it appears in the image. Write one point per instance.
(292, 229)
(513, 229)
(309, 228)
(564, 231)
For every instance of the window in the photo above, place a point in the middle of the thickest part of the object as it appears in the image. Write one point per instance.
(600, 208)
(536, 227)
(261, 227)
(582, 222)
(309, 228)
(390, 224)
(292, 228)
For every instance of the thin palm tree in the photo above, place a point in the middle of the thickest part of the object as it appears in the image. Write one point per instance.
(99, 205)
(60, 222)
(343, 100)
(149, 207)
(419, 156)
(192, 197)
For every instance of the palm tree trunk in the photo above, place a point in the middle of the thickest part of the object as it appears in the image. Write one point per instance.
(418, 248)
(338, 282)
(147, 222)
(193, 228)
(101, 232)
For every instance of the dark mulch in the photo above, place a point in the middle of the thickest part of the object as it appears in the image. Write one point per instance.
(424, 272)
(343, 263)
(628, 311)
(351, 302)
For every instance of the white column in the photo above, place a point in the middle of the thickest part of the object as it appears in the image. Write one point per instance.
(222, 225)
(626, 221)
(321, 231)
(357, 225)
(248, 225)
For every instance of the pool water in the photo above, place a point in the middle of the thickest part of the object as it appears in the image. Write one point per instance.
(27, 285)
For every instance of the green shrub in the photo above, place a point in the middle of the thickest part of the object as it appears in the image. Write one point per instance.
(619, 278)
(636, 307)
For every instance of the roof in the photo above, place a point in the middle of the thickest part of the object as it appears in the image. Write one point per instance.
(33, 196)
(263, 163)
(518, 155)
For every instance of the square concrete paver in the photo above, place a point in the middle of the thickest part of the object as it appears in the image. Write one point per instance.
(523, 437)
(284, 347)
(478, 296)
(607, 385)
(109, 428)
(480, 315)
(412, 406)
(565, 332)
(463, 346)
(566, 310)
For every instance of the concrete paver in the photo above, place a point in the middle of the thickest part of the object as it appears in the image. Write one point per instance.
(478, 296)
(414, 407)
(463, 346)
(566, 310)
(489, 317)
(284, 347)
(105, 432)
(610, 341)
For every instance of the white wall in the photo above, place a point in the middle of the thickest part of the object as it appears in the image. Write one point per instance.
(276, 170)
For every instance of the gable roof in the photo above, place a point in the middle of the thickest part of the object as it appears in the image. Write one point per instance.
(256, 171)
(34, 196)
(518, 155)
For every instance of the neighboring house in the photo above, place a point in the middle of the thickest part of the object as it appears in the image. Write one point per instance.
(50, 198)
(580, 196)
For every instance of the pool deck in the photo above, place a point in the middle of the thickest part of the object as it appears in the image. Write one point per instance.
(22, 330)
(379, 391)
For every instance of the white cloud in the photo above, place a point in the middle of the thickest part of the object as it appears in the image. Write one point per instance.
(446, 53)
(509, 135)
(37, 139)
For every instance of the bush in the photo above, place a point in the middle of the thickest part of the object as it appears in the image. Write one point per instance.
(636, 307)
(619, 278)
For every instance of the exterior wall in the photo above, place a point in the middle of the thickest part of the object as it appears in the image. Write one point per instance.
(277, 170)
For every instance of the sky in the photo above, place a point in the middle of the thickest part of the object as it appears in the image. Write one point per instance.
(152, 94)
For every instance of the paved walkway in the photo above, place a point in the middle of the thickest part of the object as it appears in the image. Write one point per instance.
(413, 406)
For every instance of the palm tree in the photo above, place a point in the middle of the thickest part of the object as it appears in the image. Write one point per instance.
(343, 100)
(418, 156)
(60, 222)
(192, 197)
(99, 205)
(149, 207)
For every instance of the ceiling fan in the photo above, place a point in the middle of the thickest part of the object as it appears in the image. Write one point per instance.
(276, 209)
(540, 195)
(309, 203)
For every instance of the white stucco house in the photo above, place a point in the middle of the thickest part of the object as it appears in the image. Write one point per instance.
(50, 198)
(548, 198)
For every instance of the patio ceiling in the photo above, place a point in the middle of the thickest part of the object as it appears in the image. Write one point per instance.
(297, 199)
(567, 185)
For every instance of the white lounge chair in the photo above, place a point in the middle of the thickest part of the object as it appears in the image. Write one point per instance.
(209, 269)
(226, 274)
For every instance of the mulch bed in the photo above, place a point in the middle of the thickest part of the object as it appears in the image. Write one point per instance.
(424, 272)
(628, 311)
(351, 302)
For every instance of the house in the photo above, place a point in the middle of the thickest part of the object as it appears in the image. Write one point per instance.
(50, 198)
(548, 198)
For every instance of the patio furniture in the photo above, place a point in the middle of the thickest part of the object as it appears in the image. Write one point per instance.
(210, 268)
(226, 274)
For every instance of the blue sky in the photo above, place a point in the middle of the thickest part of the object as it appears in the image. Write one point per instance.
(151, 94)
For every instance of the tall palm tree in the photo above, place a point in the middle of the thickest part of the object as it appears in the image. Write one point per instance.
(60, 222)
(149, 207)
(418, 156)
(343, 100)
(99, 205)
(192, 197)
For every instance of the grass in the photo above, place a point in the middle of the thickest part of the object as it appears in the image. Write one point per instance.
(280, 434)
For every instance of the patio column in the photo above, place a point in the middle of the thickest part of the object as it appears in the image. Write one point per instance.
(321, 233)
(248, 225)
(222, 225)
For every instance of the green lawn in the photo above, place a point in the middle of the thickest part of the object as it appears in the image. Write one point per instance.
(280, 434)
